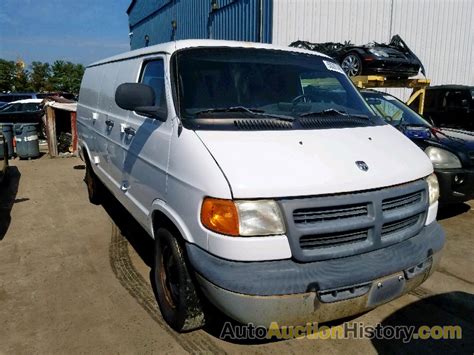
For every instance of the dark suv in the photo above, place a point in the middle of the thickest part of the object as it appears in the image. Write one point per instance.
(450, 106)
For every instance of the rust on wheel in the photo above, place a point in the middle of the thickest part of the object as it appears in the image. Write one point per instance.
(169, 277)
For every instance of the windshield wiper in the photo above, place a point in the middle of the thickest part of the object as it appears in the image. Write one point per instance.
(255, 113)
(333, 112)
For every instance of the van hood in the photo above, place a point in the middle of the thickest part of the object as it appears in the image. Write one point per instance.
(270, 164)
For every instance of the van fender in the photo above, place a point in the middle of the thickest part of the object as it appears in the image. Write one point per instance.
(161, 206)
(84, 148)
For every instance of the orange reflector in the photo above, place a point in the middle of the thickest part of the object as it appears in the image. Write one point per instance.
(220, 216)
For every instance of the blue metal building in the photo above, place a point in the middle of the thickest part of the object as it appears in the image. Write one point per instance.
(158, 21)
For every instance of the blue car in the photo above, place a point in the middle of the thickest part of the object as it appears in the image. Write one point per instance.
(450, 150)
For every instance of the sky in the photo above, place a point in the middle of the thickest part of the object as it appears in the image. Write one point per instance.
(79, 31)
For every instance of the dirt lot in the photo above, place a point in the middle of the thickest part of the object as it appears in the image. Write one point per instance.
(74, 278)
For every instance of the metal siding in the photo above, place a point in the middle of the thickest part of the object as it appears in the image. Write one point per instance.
(143, 9)
(330, 21)
(440, 32)
(234, 20)
(190, 16)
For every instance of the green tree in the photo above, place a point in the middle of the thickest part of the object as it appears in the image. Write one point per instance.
(66, 76)
(7, 74)
(39, 77)
(61, 76)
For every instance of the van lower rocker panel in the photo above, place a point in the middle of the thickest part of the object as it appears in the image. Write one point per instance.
(327, 227)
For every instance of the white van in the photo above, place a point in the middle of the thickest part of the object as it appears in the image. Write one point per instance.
(269, 186)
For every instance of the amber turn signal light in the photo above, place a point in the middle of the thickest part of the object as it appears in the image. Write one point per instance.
(220, 216)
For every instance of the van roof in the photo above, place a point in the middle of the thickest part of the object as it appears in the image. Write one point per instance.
(171, 47)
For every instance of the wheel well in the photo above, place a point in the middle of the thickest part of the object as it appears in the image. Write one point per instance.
(85, 154)
(160, 220)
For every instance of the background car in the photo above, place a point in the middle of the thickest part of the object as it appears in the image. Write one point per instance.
(392, 60)
(450, 106)
(16, 96)
(451, 151)
(22, 111)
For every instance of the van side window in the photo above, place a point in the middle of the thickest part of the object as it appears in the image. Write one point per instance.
(154, 76)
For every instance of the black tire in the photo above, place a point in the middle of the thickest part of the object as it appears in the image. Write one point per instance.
(352, 64)
(95, 188)
(176, 293)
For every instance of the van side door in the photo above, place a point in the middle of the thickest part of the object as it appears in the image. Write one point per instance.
(106, 116)
(146, 142)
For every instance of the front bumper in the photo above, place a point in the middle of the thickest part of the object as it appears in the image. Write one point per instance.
(292, 293)
(456, 185)
(391, 67)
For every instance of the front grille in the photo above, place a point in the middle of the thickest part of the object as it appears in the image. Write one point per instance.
(321, 214)
(328, 227)
(400, 225)
(332, 239)
(401, 201)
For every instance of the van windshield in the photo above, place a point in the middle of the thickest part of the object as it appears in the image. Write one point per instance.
(224, 82)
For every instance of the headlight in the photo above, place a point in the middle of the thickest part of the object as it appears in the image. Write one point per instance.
(442, 159)
(244, 218)
(433, 188)
(378, 52)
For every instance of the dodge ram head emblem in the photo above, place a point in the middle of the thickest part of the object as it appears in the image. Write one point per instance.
(362, 165)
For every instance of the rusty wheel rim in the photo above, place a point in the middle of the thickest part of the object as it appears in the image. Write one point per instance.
(168, 276)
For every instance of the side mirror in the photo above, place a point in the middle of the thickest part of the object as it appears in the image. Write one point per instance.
(129, 96)
(140, 98)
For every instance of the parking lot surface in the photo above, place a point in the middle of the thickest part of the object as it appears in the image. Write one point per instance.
(74, 278)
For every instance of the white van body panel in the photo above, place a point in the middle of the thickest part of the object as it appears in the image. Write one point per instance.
(192, 175)
(268, 164)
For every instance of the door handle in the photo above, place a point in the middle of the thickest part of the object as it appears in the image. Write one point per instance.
(129, 131)
(109, 123)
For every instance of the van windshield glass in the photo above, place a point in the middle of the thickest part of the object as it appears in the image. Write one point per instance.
(224, 82)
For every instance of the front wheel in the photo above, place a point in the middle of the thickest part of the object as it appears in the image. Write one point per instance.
(175, 291)
(352, 64)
